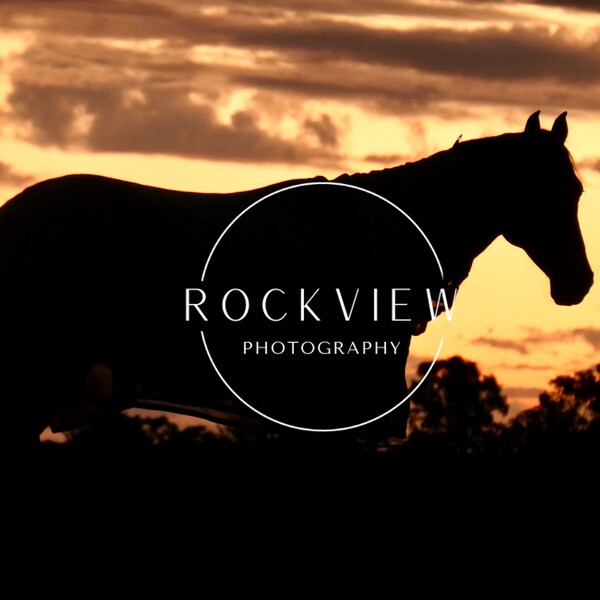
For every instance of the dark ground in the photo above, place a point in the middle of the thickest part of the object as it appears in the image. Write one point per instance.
(304, 519)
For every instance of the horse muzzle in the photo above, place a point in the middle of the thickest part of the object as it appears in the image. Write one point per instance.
(573, 291)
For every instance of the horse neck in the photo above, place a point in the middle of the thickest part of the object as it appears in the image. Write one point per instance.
(442, 194)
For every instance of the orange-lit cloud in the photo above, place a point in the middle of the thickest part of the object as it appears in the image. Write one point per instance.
(502, 344)
(523, 345)
(146, 77)
(8, 175)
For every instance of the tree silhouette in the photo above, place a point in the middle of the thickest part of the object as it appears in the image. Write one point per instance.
(122, 430)
(109, 430)
(571, 406)
(456, 403)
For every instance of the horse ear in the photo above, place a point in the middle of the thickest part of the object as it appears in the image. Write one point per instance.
(533, 123)
(560, 129)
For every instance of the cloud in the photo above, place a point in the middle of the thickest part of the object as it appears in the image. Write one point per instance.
(590, 335)
(523, 367)
(521, 392)
(155, 76)
(9, 176)
(589, 5)
(487, 53)
(591, 163)
(386, 159)
(82, 17)
(502, 344)
(155, 121)
(324, 129)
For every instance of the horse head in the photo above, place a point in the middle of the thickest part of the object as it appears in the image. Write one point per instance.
(542, 198)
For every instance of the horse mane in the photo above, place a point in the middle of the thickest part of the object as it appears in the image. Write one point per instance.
(451, 159)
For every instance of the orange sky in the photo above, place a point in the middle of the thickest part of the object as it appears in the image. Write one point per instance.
(233, 95)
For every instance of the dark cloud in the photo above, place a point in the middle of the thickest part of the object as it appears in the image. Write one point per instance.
(386, 159)
(155, 121)
(488, 53)
(502, 344)
(324, 129)
(590, 335)
(590, 5)
(403, 91)
(536, 336)
(342, 84)
(89, 64)
(9, 176)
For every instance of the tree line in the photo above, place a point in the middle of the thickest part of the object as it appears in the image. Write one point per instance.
(457, 407)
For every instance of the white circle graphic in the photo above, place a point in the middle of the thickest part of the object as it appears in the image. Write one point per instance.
(233, 391)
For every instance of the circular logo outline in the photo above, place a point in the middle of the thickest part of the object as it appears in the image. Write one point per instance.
(212, 362)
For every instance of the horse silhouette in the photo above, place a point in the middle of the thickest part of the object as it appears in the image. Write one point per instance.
(89, 265)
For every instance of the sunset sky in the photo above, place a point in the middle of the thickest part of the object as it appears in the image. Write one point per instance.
(228, 95)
